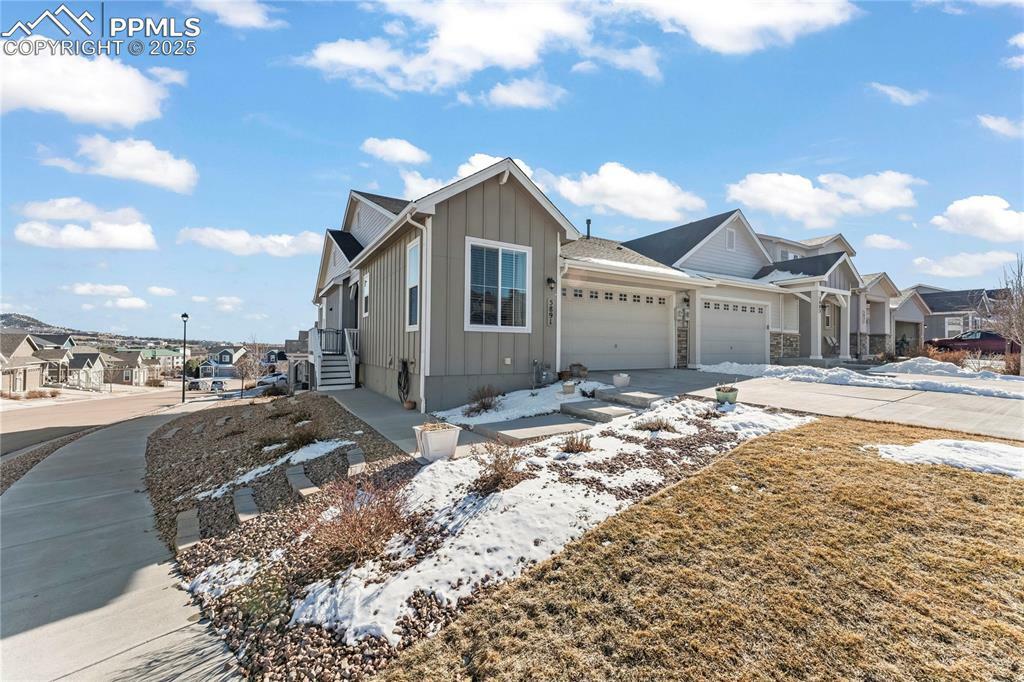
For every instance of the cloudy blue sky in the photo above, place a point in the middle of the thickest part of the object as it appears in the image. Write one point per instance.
(135, 188)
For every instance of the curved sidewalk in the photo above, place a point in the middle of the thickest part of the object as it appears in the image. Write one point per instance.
(87, 589)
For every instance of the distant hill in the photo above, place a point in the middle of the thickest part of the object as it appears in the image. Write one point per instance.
(30, 324)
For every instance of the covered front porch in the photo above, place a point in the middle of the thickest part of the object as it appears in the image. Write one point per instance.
(825, 323)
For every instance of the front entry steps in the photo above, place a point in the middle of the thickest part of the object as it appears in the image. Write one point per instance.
(526, 429)
(631, 397)
(335, 373)
(596, 410)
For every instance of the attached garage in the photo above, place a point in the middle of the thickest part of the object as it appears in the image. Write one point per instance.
(733, 331)
(607, 327)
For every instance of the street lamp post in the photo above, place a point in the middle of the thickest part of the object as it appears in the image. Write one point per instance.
(184, 341)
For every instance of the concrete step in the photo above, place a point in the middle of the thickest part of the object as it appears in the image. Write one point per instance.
(245, 505)
(333, 383)
(596, 410)
(335, 374)
(188, 529)
(299, 481)
(631, 397)
(528, 429)
(171, 434)
(356, 461)
(223, 420)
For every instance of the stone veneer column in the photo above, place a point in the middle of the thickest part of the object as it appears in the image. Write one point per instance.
(682, 314)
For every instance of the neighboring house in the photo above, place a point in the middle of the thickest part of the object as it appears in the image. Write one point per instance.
(871, 320)
(909, 312)
(54, 341)
(484, 281)
(299, 346)
(169, 361)
(221, 362)
(129, 369)
(274, 356)
(56, 362)
(21, 370)
(952, 312)
(88, 370)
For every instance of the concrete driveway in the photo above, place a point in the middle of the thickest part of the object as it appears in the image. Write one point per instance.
(982, 415)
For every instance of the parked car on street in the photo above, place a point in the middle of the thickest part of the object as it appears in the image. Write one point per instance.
(196, 385)
(989, 343)
(276, 379)
(217, 385)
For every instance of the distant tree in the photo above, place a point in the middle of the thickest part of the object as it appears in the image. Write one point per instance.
(250, 367)
(1007, 310)
(192, 367)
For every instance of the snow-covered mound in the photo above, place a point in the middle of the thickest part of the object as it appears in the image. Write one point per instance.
(925, 365)
(498, 536)
(524, 403)
(845, 377)
(986, 457)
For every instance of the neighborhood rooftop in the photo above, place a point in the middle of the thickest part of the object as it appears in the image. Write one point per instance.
(390, 204)
(811, 266)
(954, 301)
(670, 245)
(348, 244)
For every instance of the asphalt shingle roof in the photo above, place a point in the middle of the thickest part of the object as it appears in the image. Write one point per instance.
(605, 249)
(9, 342)
(812, 266)
(348, 244)
(954, 301)
(392, 204)
(670, 245)
(51, 354)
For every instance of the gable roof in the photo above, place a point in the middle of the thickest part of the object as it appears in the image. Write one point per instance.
(668, 246)
(883, 278)
(612, 254)
(348, 244)
(59, 339)
(964, 300)
(908, 294)
(392, 205)
(813, 242)
(10, 341)
(53, 354)
(809, 266)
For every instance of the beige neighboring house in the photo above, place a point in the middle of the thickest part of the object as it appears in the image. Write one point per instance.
(909, 312)
(131, 368)
(21, 370)
(871, 317)
(56, 363)
(87, 370)
(485, 281)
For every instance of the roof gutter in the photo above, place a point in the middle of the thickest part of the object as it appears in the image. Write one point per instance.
(610, 270)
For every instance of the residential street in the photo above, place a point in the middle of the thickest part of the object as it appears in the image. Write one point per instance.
(25, 427)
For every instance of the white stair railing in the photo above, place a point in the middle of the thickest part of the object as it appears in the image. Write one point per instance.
(352, 350)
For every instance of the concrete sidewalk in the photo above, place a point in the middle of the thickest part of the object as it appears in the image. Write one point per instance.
(87, 589)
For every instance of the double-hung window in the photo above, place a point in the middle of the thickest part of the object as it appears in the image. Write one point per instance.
(365, 293)
(412, 286)
(497, 286)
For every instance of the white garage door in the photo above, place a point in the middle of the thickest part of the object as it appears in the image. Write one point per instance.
(610, 328)
(733, 332)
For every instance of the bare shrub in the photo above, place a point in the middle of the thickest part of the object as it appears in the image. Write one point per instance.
(367, 517)
(266, 441)
(300, 416)
(155, 383)
(957, 357)
(499, 468)
(575, 443)
(1011, 364)
(300, 438)
(35, 393)
(655, 424)
(54, 392)
(276, 390)
(483, 399)
(237, 431)
(974, 362)
(10, 396)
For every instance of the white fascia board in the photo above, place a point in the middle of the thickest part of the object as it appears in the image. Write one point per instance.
(427, 204)
(611, 270)
(384, 235)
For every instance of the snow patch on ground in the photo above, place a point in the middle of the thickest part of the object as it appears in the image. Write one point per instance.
(986, 457)
(845, 377)
(503, 533)
(219, 579)
(517, 404)
(303, 454)
(924, 365)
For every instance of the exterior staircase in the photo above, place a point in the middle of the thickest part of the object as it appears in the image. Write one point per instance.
(335, 373)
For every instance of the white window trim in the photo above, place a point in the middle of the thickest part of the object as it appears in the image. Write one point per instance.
(828, 315)
(415, 243)
(364, 296)
(498, 329)
(945, 326)
(730, 232)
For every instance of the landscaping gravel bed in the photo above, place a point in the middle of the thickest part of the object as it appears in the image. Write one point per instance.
(181, 467)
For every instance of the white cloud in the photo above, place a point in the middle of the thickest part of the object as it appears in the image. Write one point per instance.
(256, 316)
(898, 95)
(743, 26)
(161, 291)
(228, 304)
(1002, 125)
(88, 306)
(200, 299)
(241, 13)
(984, 216)
(102, 91)
(131, 159)
(525, 93)
(168, 76)
(585, 66)
(796, 197)
(244, 243)
(1017, 41)
(964, 264)
(89, 289)
(394, 150)
(416, 185)
(884, 241)
(127, 303)
(614, 188)
(122, 228)
(1016, 62)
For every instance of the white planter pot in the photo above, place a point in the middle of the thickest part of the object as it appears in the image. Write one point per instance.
(620, 380)
(438, 444)
(568, 388)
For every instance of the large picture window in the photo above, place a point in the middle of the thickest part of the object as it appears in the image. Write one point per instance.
(412, 286)
(497, 286)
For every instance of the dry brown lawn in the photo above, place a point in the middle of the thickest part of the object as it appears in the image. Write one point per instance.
(827, 562)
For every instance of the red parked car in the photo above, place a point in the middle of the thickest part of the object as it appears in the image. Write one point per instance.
(988, 343)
